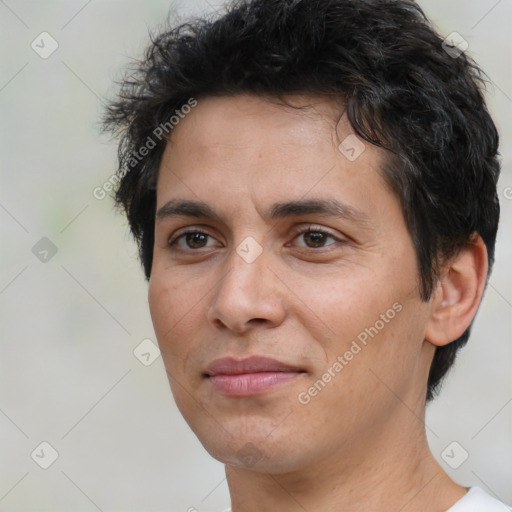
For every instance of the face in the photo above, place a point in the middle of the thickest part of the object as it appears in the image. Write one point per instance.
(284, 283)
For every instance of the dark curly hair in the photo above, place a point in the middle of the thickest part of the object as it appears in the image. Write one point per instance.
(402, 87)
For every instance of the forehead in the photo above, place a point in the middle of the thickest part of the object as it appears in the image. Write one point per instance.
(257, 147)
(264, 121)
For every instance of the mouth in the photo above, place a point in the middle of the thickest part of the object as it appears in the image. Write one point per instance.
(250, 376)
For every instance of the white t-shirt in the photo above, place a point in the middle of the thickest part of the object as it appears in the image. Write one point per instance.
(477, 500)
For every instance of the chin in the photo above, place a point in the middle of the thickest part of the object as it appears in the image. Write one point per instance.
(247, 444)
(257, 456)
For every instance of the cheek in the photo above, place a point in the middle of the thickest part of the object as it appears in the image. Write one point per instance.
(175, 315)
(371, 319)
(174, 310)
(161, 304)
(383, 360)
(340, 305)
(358, 387)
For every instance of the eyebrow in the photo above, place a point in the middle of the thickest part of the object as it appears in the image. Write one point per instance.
(327, 207)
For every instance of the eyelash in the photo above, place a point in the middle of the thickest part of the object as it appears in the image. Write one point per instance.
(298, 232)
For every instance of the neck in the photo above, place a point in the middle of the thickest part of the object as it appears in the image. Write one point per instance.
(388, 469)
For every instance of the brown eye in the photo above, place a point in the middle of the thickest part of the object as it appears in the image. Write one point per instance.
(192, 240)
(196, 240)
(315, 238)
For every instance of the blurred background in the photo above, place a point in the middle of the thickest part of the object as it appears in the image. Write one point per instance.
(86, 415)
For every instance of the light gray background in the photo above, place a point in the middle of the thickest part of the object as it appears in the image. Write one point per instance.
(69, 326)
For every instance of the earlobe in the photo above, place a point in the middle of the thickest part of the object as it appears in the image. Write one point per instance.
(458, 293)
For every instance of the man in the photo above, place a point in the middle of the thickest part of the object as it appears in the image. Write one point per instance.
(312, 185)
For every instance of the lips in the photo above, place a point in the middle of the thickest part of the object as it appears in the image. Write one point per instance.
(250, 376)
(232, 366)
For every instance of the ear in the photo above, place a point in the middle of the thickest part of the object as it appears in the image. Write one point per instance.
(458, 293)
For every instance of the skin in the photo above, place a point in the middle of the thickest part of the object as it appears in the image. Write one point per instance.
(358, 444)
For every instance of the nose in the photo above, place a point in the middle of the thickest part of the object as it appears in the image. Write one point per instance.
(248, 294)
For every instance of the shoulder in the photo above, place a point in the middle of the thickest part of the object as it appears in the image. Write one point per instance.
(477, 500)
